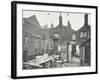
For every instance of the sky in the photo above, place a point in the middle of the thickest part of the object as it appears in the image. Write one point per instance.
(48, 18)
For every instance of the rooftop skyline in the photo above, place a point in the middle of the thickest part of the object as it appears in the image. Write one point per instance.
(48, 18)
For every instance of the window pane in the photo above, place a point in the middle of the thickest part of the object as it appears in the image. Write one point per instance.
(84, 34)
(81, 34)
(73, 37)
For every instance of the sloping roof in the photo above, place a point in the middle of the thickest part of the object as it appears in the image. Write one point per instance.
(32, 25)
(84, 28)
(67, 32)
(33, 20)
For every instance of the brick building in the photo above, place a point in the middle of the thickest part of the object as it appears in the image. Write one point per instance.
(83, 38)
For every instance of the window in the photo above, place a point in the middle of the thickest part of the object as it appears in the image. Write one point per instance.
(81, 34)
(56, 35)
(88, 34)
(26, 40)
(73, 37)
(85, 34)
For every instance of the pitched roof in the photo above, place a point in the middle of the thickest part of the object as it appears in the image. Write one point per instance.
(84, 28)
(33, 20)
(67, 32)
(32, 25)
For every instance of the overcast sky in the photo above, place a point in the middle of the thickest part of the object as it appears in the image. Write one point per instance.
(76, 19)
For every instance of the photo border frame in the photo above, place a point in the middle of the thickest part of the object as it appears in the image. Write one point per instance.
(14, 39)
